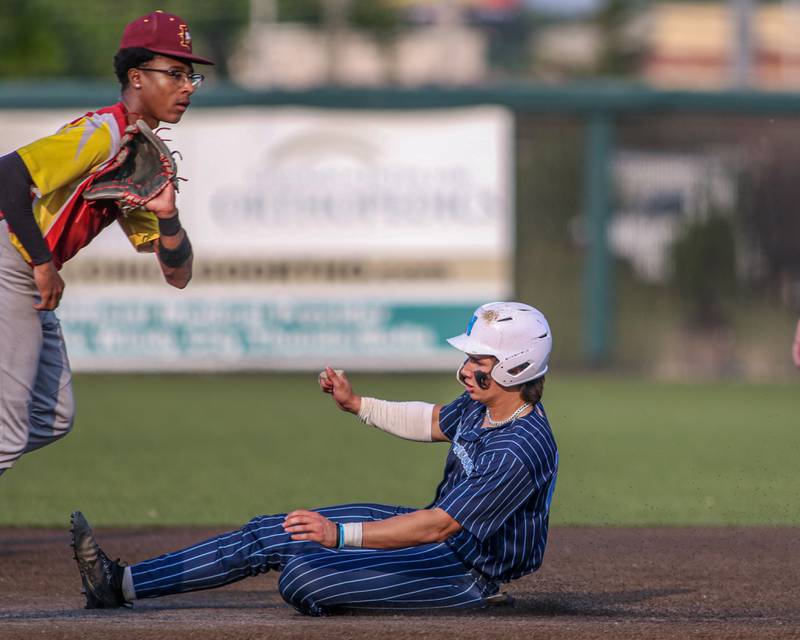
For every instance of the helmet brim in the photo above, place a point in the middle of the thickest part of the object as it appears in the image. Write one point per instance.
(470, 346)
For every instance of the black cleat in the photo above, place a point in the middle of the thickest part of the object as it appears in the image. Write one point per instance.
(101, 576)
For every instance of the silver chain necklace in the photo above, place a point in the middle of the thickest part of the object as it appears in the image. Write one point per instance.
(511, 418)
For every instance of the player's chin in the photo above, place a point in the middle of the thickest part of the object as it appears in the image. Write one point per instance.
(173, 116)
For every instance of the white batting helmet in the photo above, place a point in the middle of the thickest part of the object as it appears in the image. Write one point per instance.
(516, 334)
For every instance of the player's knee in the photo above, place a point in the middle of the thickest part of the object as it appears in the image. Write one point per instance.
(9, 454)
(53, 419)
(295, 586)
(13, 443)
(60, 425)
(65, 414)
(51, 423)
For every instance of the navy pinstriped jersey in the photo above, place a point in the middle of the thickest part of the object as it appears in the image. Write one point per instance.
(498, 484)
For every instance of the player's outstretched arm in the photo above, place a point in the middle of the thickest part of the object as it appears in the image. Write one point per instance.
(410, 529)
(335, 382)
(409, 420)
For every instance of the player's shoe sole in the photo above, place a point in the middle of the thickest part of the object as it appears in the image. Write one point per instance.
(100, 576)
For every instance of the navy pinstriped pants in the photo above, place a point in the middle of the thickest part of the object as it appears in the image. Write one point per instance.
(317, 580)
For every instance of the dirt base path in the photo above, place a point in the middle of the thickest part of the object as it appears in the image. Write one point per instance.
(595, 583)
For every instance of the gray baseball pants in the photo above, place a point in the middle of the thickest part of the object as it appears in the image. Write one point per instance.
(36, 401)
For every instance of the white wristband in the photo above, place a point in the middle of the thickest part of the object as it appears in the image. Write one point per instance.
(352, 534)
(409, 420)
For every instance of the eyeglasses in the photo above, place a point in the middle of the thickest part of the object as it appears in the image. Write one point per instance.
(179, 77)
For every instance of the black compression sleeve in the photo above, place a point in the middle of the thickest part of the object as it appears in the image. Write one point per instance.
(15, 203)
(177, 256)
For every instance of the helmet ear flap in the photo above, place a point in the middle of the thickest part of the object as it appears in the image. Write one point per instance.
(459, 375)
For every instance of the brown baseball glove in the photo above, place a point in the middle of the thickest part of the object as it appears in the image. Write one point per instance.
(142, 169)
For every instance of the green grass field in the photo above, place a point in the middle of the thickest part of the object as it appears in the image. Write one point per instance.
(167, 450)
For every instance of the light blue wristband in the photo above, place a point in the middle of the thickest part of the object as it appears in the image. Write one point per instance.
(340, 538)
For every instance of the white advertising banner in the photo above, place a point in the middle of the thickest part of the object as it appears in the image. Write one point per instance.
(364, 236)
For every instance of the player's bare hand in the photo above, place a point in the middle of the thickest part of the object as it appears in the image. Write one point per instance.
(796, 347)
(310, 525)
(163, 205)
(50, 285)
(335, 382)
(325, 382)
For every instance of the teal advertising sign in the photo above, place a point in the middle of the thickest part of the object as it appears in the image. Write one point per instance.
(214, 333)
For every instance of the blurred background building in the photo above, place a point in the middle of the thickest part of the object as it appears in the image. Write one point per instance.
(303, 43)
(667, 132)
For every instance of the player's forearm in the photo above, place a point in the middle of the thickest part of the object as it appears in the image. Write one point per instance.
(418, 527)
(174, 252)
(178, 277)
(15, 203)
(408, 420)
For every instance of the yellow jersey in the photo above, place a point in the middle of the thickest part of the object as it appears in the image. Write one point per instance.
(62, 166)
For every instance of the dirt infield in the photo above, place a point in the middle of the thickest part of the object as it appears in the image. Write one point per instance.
(595, 583)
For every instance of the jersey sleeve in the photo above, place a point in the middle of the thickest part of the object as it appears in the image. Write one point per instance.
(484, 500)
(69, 154)
(450, 415)
(141, 227)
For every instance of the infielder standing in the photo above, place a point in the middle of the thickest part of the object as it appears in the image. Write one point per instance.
(486, 525)
(44, 221)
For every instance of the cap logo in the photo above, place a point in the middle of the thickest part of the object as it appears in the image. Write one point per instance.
(490, 315)
(471, 324)
(185, 36)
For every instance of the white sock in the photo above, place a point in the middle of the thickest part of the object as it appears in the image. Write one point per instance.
(128, 592)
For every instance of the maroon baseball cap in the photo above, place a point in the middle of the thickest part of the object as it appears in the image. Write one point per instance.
(163, 33)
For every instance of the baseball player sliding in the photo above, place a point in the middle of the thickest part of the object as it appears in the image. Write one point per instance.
(55, 198)
(487, 523)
